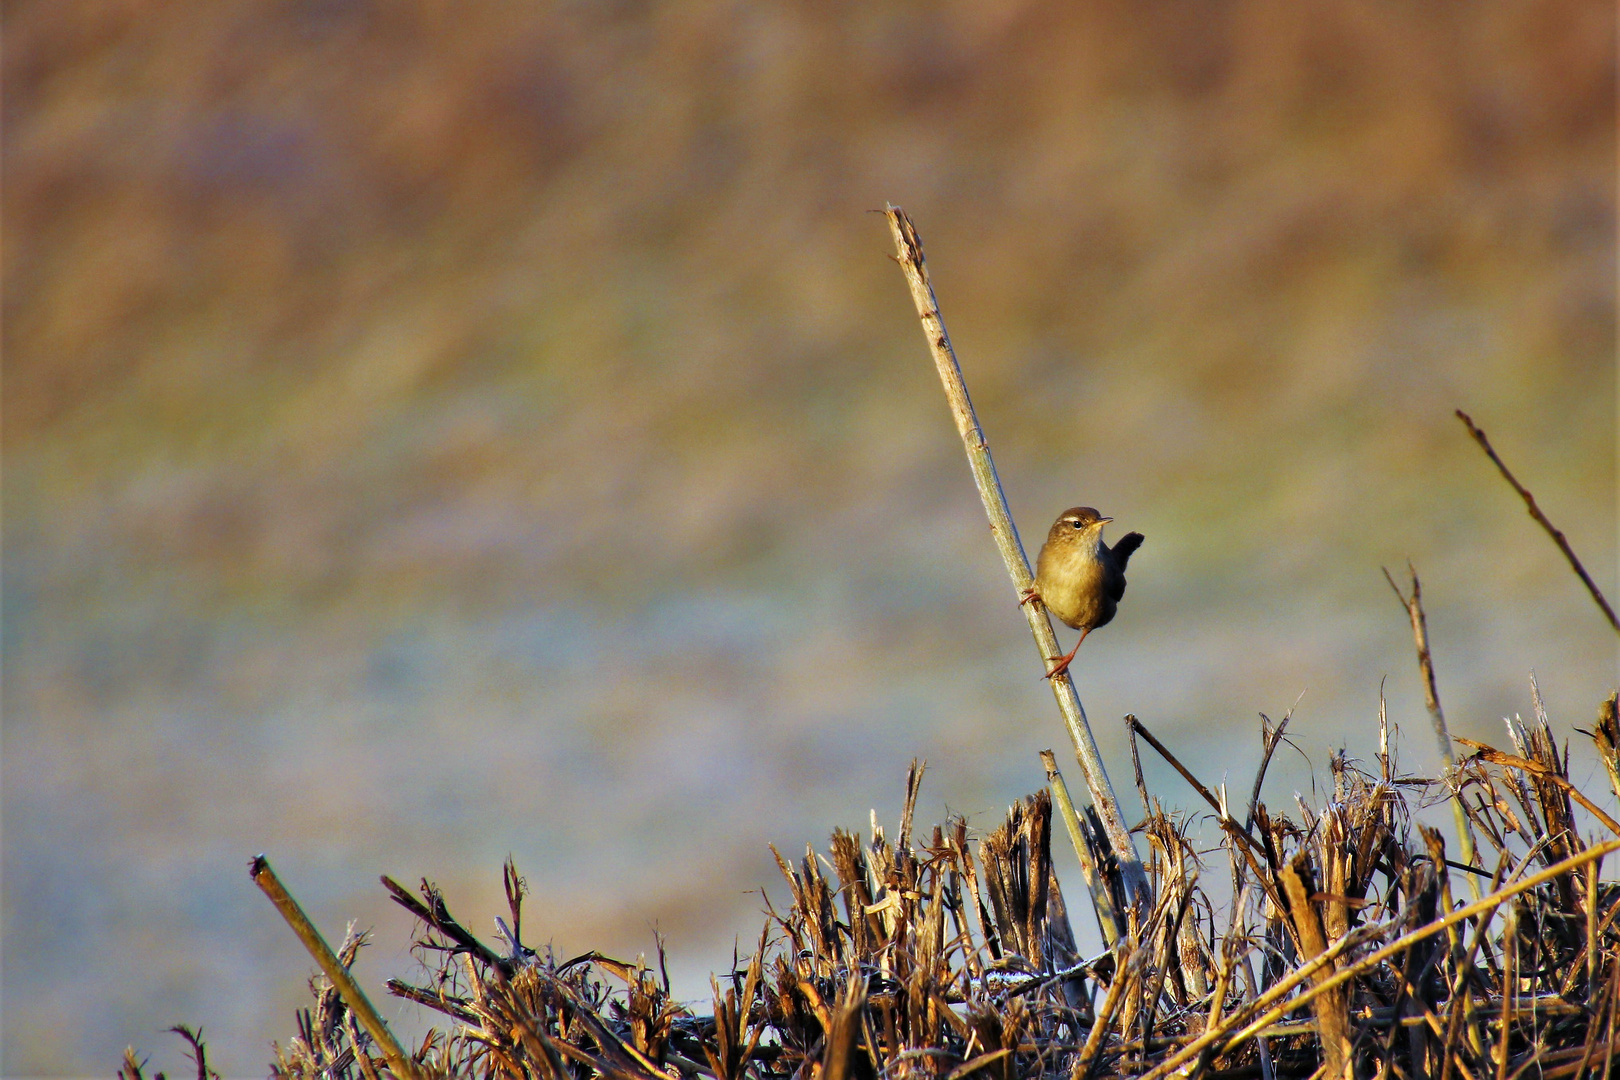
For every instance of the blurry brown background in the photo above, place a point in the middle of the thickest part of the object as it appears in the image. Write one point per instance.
(434, 432)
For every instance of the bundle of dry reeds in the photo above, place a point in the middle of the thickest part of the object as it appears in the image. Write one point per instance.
(1344, 952)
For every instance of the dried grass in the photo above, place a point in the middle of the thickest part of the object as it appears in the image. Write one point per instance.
(935, 954)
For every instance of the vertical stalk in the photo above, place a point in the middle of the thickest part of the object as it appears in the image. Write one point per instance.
(1102, 903)
(1431, 698)
(1005, 533)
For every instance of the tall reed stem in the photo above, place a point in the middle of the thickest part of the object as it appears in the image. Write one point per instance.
(910, 257)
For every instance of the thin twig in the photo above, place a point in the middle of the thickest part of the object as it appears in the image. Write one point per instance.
(1136, 769)
(1541, 519)
(1124, 972)
(911, 260)
(1137, 727)
(1269, 738)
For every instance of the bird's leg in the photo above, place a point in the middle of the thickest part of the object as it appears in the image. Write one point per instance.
(1031, 595)
(1064, 661)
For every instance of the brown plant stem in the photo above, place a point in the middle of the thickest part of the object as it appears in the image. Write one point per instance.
(1513, 761)
(1541, 519)
(1272, 1002)
(355, 998)
(1330, 1009)
(1431, 698)
(1124, 972)
(1108, 921)
(910, 257)
(1253, 851)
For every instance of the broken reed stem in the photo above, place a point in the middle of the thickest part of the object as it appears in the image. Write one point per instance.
(355, 998)
(1512, 761)
(910, 258)
(1431, 698)
(1271, 998)
(1104, 1016)
(1541, 519)
(1108, 921)
(1330, 1009)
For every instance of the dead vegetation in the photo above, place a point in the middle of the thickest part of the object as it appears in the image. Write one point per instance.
(931, 953)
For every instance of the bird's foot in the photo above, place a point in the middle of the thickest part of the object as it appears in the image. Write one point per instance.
(1031, 595)
(1062, 664)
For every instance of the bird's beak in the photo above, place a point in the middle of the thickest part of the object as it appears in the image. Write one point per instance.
(1104, 521)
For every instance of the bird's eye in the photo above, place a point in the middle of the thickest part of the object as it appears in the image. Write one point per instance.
(1076, 524)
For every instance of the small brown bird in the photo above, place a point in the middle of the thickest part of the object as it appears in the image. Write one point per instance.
(1079, 578)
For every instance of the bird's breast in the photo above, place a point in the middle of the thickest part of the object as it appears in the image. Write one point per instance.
(1072, 585)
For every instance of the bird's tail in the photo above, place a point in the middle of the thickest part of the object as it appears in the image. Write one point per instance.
(1126, 546)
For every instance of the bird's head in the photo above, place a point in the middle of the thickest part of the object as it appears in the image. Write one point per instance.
(1077, 524)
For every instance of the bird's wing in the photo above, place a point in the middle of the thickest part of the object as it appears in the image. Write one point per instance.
(1127, 545)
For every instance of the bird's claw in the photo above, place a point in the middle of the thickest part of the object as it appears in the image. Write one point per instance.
(1031, 595)
(1063, 662)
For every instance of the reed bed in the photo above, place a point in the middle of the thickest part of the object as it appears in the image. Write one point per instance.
(1343, 952)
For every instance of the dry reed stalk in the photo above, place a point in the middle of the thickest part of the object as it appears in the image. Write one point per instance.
(1541, 519)
(1102, 899)
(910, 257)
(1310, 968)
(334, 969)
(1542, 772)
(1252, 849)
(1437, 717)
(1084, 1064)
(1331, 1009)
(1606, 736)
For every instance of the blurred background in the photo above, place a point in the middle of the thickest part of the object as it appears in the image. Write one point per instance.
(438, 432)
